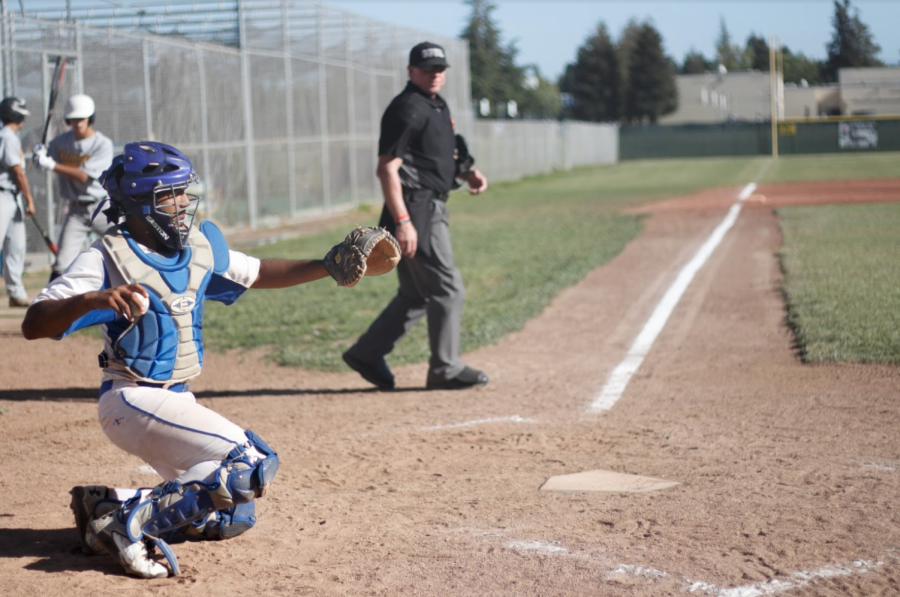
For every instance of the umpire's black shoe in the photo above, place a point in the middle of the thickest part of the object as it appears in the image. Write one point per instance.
(378, 374)
(467, 378)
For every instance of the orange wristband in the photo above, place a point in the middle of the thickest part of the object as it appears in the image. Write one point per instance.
(398, 219)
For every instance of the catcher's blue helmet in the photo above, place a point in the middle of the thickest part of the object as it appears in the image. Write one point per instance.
(146, 172)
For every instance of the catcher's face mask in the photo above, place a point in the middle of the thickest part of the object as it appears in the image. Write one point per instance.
(174, 209)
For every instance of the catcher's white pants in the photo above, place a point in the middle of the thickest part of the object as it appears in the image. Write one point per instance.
(180, 439)
(12, 230)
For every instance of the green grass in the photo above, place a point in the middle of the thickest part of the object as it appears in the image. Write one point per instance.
(834, 166)
(517, 246)
(842, 281)
(521, 243)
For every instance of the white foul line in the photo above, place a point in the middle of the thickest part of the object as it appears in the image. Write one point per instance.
(513, 419)
(621, 375)
(773, 586)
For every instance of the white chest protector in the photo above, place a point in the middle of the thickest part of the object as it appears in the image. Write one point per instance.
(165, 345)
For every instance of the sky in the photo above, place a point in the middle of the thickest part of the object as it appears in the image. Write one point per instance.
(549, 33)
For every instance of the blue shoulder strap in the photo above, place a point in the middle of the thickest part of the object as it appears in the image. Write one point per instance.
(219, 246)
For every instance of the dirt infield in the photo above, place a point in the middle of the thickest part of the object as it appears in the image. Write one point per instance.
(789, 474)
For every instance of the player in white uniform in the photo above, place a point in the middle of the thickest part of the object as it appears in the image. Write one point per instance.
(78, 156)
(213, 469)
(13, 188)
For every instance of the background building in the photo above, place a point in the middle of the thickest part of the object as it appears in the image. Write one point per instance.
(745, 96)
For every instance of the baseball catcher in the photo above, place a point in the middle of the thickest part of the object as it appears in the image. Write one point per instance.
(145, 283)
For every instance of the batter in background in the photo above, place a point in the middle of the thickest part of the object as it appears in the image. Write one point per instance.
(78, 157)
(13, 188)
(417, 168)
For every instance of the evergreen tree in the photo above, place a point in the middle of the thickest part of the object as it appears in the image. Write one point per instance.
(756, 55)
(651, 90)
(628, 41)
(696, 63)
(594, 81)
(728, 55)
(492, 65)
(851, 44)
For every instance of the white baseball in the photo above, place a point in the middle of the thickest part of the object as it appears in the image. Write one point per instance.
(140, 304)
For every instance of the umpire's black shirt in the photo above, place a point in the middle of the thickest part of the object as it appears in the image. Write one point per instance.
(417, 129)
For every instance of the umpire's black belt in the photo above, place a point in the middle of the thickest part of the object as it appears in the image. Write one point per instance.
(176, 387)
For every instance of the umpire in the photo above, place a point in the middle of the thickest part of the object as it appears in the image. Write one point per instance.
(417, 168)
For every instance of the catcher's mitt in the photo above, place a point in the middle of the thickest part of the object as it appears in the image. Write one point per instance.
(366, 251)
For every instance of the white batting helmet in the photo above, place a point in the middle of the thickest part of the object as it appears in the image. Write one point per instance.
(79, 106)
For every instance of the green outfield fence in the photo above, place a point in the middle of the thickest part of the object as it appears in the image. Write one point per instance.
(801, 136)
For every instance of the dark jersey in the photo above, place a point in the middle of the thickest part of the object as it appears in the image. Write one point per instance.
(417, 129)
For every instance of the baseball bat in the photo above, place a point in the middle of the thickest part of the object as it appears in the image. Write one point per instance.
(55, 83)
(50, 244)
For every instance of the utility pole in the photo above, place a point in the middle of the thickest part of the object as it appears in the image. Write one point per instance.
(773, 91)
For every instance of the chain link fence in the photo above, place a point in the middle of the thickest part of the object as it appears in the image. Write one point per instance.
(282, 126)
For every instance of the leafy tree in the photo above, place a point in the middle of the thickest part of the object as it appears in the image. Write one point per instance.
(696, 63)
(756, 54)
(851, 44)
(797, 68)
(595, 79)
(651, 91)
(493, 70)
(541, 99)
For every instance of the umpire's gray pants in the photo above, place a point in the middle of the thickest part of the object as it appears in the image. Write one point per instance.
(429, 285)
(75, 230)
(12, 229)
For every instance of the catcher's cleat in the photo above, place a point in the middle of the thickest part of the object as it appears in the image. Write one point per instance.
(378, 374)
(18, 302)
(467, 378)
(89, 502)
(111, 532)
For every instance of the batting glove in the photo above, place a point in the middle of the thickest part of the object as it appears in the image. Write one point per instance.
(41, 159)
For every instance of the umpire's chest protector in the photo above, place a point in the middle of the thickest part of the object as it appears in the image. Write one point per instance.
(166, 343)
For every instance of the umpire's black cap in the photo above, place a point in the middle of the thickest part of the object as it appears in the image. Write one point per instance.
(426, 55)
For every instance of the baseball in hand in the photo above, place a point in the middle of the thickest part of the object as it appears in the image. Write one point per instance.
(139, 304)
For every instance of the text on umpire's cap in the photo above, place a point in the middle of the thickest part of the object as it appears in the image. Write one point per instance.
(427, 54)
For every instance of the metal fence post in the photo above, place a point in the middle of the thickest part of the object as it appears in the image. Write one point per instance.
(79, 70)
(13, 63)
(5, 58)
(249, 150)
(204, 125)
(373, 115)
(148, 98)
(289, 111)
(351, 113)
(323, 114)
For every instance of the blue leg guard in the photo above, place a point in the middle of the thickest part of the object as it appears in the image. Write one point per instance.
(173, 507)
(231, 522)
(240, 479)
(171, 510)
